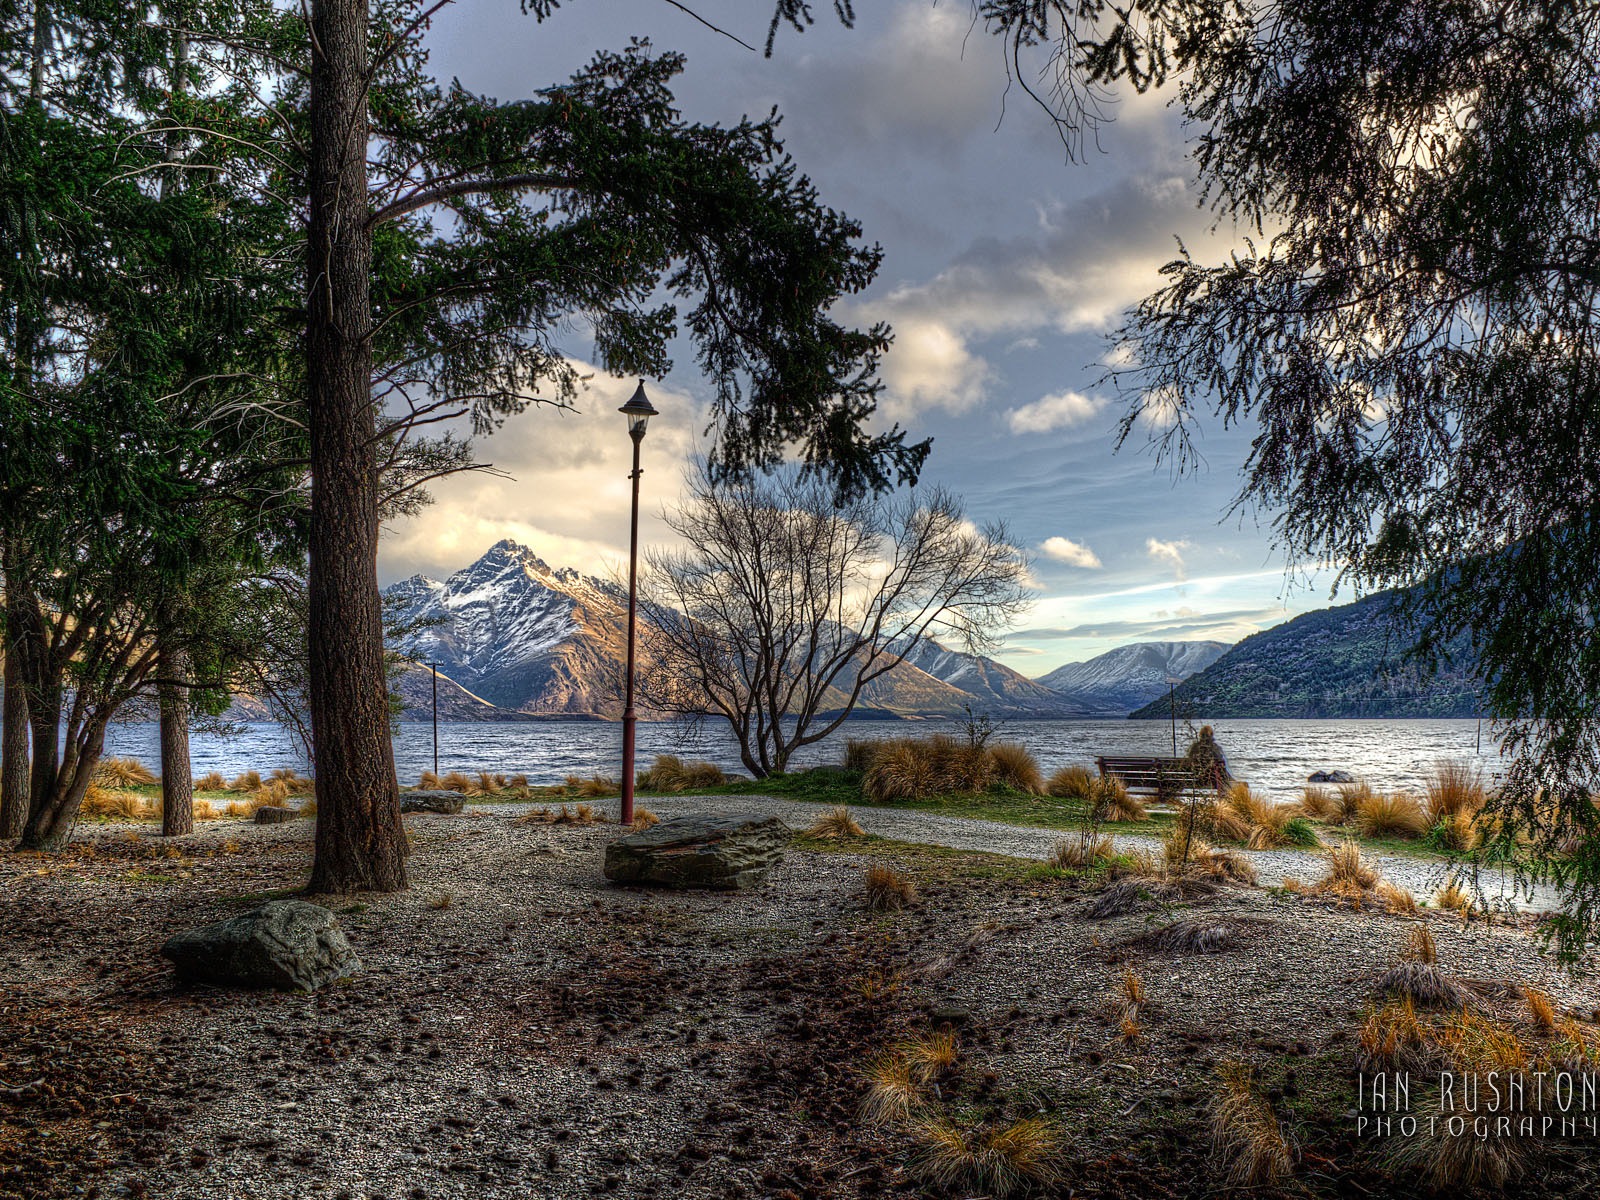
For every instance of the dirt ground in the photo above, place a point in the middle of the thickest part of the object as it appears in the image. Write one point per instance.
(523, 1029)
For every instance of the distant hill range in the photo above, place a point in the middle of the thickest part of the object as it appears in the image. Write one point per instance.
(1121, 680)
(1346, 661)
(516, 639)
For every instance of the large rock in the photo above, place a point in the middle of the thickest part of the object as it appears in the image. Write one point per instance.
(699, 852)
(431, 801)
(275, 814)
(285, 944)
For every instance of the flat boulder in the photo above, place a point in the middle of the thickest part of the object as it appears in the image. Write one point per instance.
(275, 814)
(289, 945)
(725, 852)
(1331, 777)
(431, 802)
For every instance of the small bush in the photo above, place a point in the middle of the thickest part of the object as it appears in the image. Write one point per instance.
(1246, 1134)
(1393, 815)
(836, 825)
(1110, 801)
(1071, 782)
(644, 819)
(998, 1161)
(247, 781)
(1081, 850)
(212, 781)
(1454, 788)
(1319, 803)
(1012, 765)
(122, 773)
(886, 890)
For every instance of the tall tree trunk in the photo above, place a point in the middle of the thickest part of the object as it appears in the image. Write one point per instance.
(14, 786)
(44, 716)
(50, 823)
(177, 784)
(360, 839)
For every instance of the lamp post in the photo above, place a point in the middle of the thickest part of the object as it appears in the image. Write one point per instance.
(638, 410)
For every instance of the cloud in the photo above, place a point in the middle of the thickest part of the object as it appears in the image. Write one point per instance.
(1074, 554)
(1060, 411)
(1248, 619)
(930, 364)
(1168, 552)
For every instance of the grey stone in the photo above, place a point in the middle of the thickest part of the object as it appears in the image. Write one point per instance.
(699, 852)
(275, 814)
(289, 945)
(431, 802)
(1331, 777)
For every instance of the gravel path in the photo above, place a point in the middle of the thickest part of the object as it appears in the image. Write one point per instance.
(1422, 877)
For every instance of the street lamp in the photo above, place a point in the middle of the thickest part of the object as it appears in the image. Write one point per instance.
(638, 410)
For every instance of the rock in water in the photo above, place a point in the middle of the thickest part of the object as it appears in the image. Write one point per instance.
(431, 801)
(275, 814)
(699, 852)
(1331, 777)
(285, 944)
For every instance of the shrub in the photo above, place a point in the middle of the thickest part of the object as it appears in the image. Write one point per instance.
(1319, 803)
(835, 825)
(1109, 800)
(247, 781)
(1245, 1132)
(1393, 815)
(643, 819)
(212, 781)
(1454, 788)
(997, 1161)
(886, 890)
(1080, 850)
(122, 773)
(1072, 782)
(1012, 765)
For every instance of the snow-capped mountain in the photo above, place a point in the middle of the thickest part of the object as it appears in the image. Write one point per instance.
(994, 687)
(1121, 680)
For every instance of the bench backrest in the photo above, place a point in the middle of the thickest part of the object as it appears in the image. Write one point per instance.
(1153, 775)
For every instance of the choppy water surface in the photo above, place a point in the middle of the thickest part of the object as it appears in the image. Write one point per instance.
(1275, 756)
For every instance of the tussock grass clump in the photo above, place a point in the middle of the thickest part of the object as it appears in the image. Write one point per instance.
(1131, 986)
(1187, 936)
(1129, 1028)
(836, 825)
(644, 819)
(1540, 1010)
(1395, 899)
(1452, 897)
(859, 753)
(116, 806)
(894, 1094)
(598, 785)
(243, 808)
(1350, 797)
(1012, 765)
(211, 781)
(245, 781)
(579, 814)
(1393, 1039)
(1204, 859)
(1458, 833)
(997, 1161)
(309, 808)
(1071, 782)
(1319, 803)
(204, 811)
(442, 901)
(1246, 1134)
(669, 773)
(1454, 788)
(1110, 801)
(1349, 876)
(429, 782)
(886, 890)
(1392, 815)
(898, 771)
(1440, 1160)
(1081, 850)
(487, 784)
(1417, 977)
(1123, 897)
(931, 1054)
(1214, 821)
(295, 783)
(122, 773)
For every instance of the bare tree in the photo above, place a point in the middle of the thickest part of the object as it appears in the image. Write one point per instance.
(783, 607)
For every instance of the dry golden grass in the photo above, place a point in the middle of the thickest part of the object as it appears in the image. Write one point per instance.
(295, 783)
(1319, 803)
(836, 825)
(997, 1161)
(669, 773)
(1454, 788)
(931, 1054)
(429, 782)
(1417, 977)
(212, 781)
(876, 985)
(455, 781)
(246, 807)
(1217, 822)
(1012, 765)
(644, 819)
(116, 806)
(1392, 1038)
(1393, 815)
(1540, 1009)
(1348, 877)
(1131, 987)
(598, 785)
(1110, 801)
(1459, 832)
(204, 811)
(1452, 897)
(122, 773)
(1350, 797)
(893, 1091)
(898, 771)
(1072, 782)
(1246, 1133)
(520, 782)
(442, 901)
(1441, 1161)
(1420, 946)
(579, 814)
(247, 781)
(309, 808)
(1080, 850)
(1129, 1029)
(886, 890)
(1395, 899)
(859, 753)
(1249, 805)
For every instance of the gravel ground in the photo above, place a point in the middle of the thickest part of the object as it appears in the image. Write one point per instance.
(1422, 877)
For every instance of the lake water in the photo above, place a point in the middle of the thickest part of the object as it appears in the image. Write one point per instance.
(1274, 756)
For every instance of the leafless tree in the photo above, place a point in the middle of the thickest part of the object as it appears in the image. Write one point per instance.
(782, 608)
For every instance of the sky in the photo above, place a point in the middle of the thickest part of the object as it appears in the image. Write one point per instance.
(1006, 266)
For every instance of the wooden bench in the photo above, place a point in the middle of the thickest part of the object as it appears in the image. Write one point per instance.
(1156, 776)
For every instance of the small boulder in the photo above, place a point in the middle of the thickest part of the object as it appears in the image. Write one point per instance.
(431, 802)
(1331, 777)
(289, 945)
(275, 814)
(699, 852)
